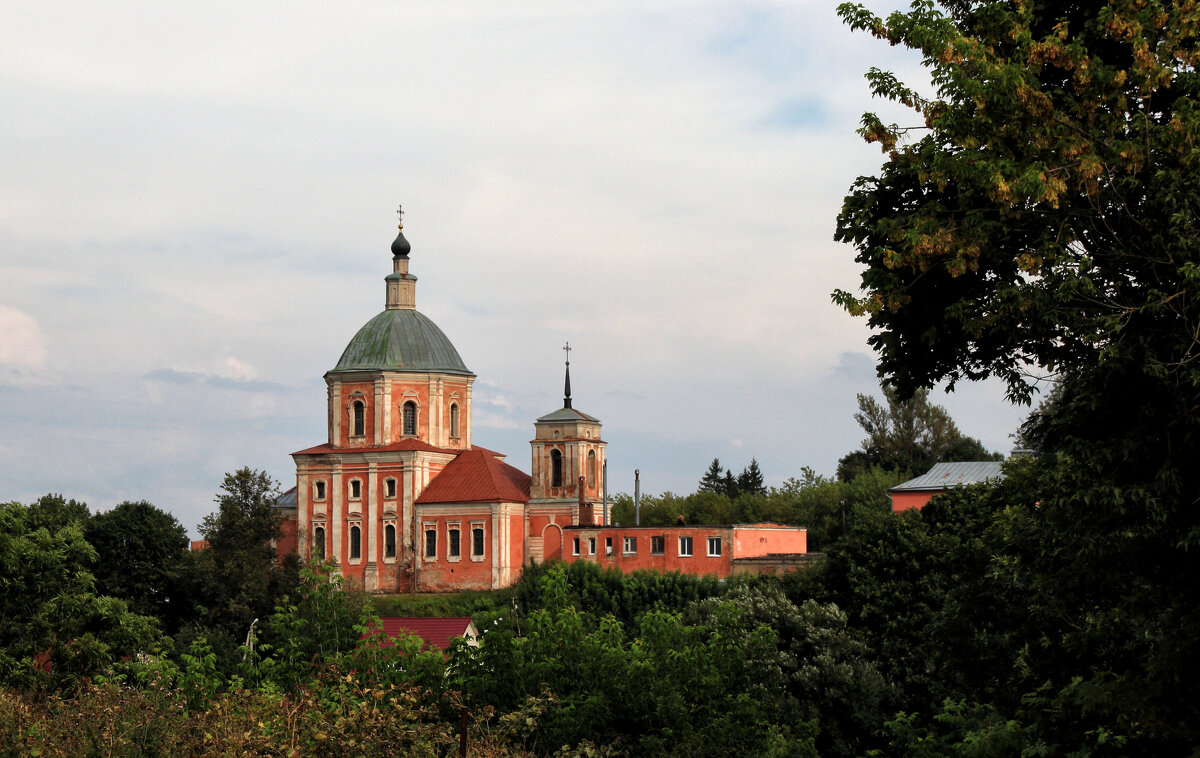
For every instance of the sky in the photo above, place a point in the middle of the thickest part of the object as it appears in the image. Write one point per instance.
(197, 204)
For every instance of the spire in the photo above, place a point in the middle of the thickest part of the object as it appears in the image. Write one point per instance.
(400, 248)
(567, 385)
(401, 285)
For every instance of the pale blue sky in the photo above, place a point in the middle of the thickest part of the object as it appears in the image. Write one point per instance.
(196, 207)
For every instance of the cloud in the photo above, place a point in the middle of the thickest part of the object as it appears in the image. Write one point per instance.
(185, 378)
(22, 347)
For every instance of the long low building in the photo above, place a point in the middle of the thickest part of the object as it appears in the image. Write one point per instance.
(690, 549)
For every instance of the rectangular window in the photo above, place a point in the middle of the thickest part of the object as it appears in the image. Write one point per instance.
(477, 541)
(453, 545)
(714, 546)
(389, 488)
(355, 489)
(591, 545)
(355, 542)
(685, 546)
(389, 541)
(630, 545)
(430, 542)
(608, 545)
(575, 547)
(658, 545)
(319, 491)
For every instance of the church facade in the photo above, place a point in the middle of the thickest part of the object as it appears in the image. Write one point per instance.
(399, 496)
(402, 501)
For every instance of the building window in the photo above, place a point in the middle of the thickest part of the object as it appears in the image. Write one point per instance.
(318, 490)
(556, 468)
(591, 468)
(389, 541)
(454, 419)
(355, 489)
(685, 547)
(658, 545)
(630, 545)
(591, 545)
(477, 542)
(454, 542)
(359, 427)
(355, 542)
(389, 488)
(319, 542)
(714, 546)
(430, 542)
(575, 546)
(410, 418)
(608, 545)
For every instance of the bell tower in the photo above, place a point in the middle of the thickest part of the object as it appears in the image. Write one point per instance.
(567, 450)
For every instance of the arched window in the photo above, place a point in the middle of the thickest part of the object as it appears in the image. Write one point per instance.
(360, 422)
(355, 542)
(556, 473)
(410, 417)
(591, 468)
(389, 541)
(319, 542)
(454, 419)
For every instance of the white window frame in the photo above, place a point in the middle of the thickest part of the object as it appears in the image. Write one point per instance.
(319, 541)
(685, 553)
(478, 525)
(356, 489)
(629, 545)
(425, 530)
(395, 541)
(575, 546)
(319, 491)
(714, 542)
(662, 544)
(453, 526)
(390, 483)
(350, 527)
(591, 545)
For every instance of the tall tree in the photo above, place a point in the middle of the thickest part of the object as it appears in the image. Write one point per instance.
(908, 435)
(140, 550)
(239, 578)
(750, 481)
(713, 480)
(1049, 218)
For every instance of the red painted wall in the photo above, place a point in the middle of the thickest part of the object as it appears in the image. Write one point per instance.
(903, 501)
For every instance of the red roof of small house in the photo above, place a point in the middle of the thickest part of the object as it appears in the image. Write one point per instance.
(477, 476)
(436, 632)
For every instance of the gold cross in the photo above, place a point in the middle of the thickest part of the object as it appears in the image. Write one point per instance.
(400, 215)
(567, 347)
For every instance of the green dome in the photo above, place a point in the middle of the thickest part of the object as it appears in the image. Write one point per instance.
(401, 340)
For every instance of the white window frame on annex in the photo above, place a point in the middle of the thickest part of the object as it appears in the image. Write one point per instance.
(453, 526)
(629, 546)
(390, 488)
(355, 488)
(685, 553)
(714, 547)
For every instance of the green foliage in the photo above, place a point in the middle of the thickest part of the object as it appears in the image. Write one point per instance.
(140, 550)
(658, 687)
(1049, 218)
(53, 628)
(238, 579)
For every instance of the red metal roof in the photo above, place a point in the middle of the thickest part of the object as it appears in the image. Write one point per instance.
(437, 632)
(477, 476)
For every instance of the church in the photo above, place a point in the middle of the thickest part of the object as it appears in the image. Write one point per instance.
(402, 501)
